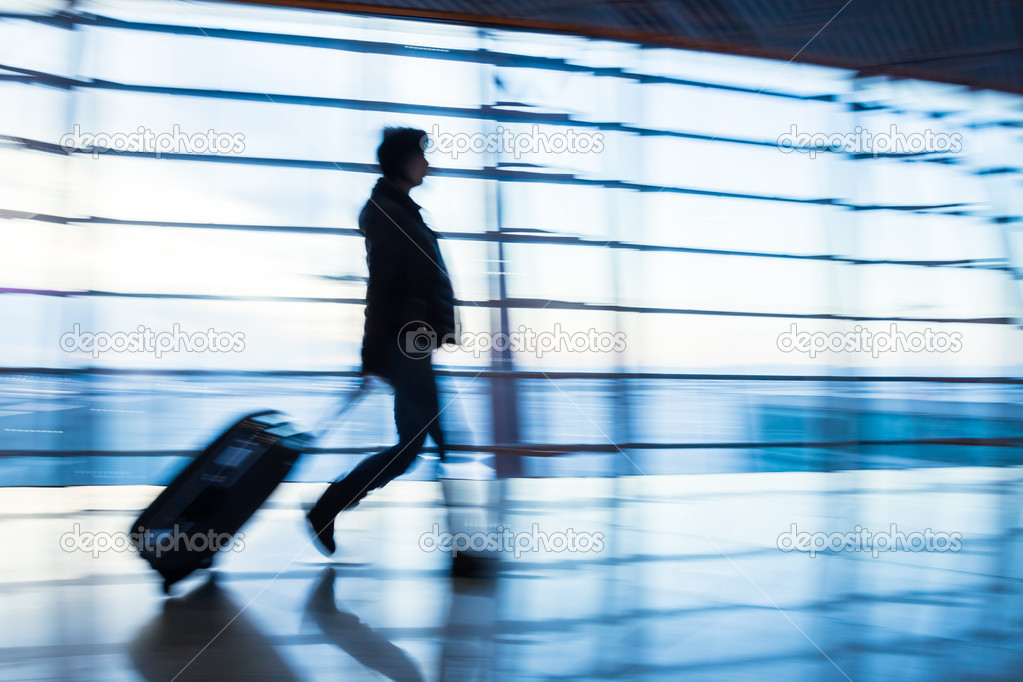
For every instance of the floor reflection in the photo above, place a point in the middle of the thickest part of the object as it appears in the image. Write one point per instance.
(691, 582)
(205, 635)
(469, 637)
(345, 630)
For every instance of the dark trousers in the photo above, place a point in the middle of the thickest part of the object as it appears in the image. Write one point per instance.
(416, 414)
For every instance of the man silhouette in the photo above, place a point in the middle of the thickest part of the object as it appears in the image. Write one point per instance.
(409, 307)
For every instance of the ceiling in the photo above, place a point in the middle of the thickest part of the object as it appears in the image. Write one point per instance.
(973, 42)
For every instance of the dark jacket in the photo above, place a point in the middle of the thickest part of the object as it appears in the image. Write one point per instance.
(408, 281)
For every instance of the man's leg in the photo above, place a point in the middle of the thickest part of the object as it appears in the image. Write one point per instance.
(472, 506)
(415, 415)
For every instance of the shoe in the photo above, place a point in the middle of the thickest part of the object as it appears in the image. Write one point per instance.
(323, 534)
(473, 566)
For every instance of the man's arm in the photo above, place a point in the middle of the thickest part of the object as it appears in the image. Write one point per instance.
(385, 260)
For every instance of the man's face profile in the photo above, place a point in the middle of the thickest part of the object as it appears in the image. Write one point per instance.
(415, 169)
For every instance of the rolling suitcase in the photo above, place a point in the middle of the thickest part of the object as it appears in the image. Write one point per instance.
(203, 508)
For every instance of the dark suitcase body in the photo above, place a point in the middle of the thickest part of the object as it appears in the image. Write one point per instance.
(208, 502)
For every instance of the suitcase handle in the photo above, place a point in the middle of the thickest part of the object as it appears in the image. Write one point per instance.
(351, 398)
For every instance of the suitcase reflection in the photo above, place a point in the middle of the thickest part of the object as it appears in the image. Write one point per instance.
(206, 635)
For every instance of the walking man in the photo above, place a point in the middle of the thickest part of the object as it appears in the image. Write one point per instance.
(409, 307)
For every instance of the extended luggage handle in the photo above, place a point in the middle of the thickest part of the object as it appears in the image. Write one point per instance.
(325, 426)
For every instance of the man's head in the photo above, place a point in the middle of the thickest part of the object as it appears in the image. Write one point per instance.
(401, 155)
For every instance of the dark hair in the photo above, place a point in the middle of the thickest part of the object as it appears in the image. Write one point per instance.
(398, 145)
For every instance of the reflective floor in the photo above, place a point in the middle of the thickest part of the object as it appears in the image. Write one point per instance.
(697, 577)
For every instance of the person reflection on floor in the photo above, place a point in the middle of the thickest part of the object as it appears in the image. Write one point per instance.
(355, 637)
(467, 653)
